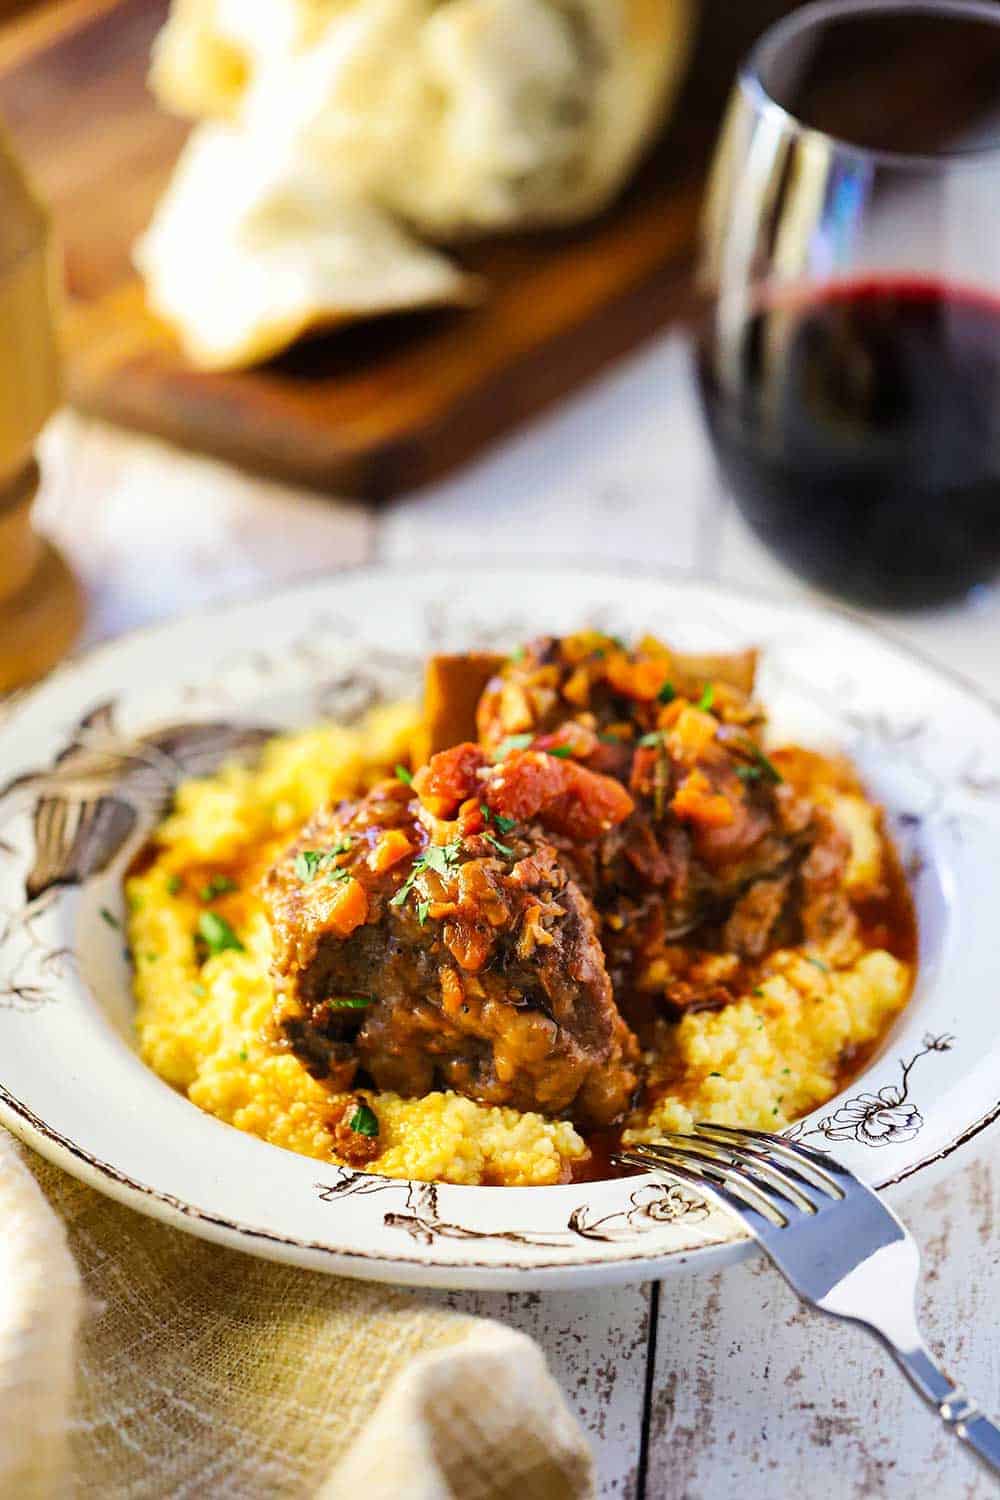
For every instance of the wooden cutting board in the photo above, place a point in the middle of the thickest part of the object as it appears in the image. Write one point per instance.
(372, 409)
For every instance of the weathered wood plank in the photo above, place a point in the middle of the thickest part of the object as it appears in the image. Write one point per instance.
(754, 1395)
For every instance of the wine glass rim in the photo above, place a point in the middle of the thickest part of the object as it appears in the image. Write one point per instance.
(768, 45)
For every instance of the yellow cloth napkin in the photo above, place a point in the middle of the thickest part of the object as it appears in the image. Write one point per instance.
(201, 1371)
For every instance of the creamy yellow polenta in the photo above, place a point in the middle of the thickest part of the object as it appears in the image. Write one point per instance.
(203, 1026)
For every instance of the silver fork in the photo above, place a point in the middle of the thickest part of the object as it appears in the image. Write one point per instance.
(833, 1239)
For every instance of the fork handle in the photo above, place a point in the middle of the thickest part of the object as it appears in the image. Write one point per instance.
(959, 1414)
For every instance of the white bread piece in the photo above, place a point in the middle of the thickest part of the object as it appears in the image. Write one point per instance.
(248, 250)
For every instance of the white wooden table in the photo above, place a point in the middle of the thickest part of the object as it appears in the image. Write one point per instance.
(701, 1386)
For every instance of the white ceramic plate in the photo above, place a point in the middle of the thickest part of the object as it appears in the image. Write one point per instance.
(88, 760)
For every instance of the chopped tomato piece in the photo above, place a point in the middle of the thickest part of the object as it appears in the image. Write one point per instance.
(449, 778)
(562, 795)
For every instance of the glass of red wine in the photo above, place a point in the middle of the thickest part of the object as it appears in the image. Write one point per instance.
(849, 366)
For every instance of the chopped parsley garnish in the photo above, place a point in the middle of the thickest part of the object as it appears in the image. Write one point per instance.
(423, 909)
(199, 990)
(217, 935)
(611, 739)
(707, 698)
(504, 849)
(517, 654)
(351, 1002)
(512, 742)
(758, 992)
(817, 963)
(174, 885)
(715, 1075)
(667, 694)
(762, 767)
(505, 825)
(655, 737)
(562, 751)
(217, 885)
(441, 858)
(309, 862)
(616, 640)
(402, 774)
(111, 919)
(244, 1054)
(364, 1121)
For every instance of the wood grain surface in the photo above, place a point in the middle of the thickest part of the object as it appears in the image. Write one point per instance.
(373, 409)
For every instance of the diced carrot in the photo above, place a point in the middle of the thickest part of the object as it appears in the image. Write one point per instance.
(641, 679)
(452, 992)
(696, 802)
(348, 908)
(390, 849)
(693, 731)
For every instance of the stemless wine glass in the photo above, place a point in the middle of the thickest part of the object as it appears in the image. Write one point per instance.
(850, 364)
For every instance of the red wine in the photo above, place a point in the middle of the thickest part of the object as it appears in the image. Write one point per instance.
(859, 429)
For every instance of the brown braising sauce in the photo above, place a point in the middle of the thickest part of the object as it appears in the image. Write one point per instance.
(885, 920)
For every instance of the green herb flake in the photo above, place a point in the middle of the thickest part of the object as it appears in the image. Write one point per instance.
(441, 858)
(423, 910)
(174, 885)
(512, 742)
(217, 935)
(503, 849)
(667, 693)
(402, 774)
(307, 862)
(715, 1075)
(111, 919)
(562, 752)
(151, 958)
(244, 1054)
(616, 640)
(364, 1121)
(199, 990)
(817, 963)
(655, 737)
(758, 992)
(749, 773)
(766, 767)
(517, 654)
(351, 1002)
(217, 885)
(505, 825)
(707, 698)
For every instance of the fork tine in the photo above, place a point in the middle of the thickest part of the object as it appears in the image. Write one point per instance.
(812, 1167)
(730, 1177)
(761, 1171)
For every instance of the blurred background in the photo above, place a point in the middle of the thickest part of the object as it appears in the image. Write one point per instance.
(325, 281)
